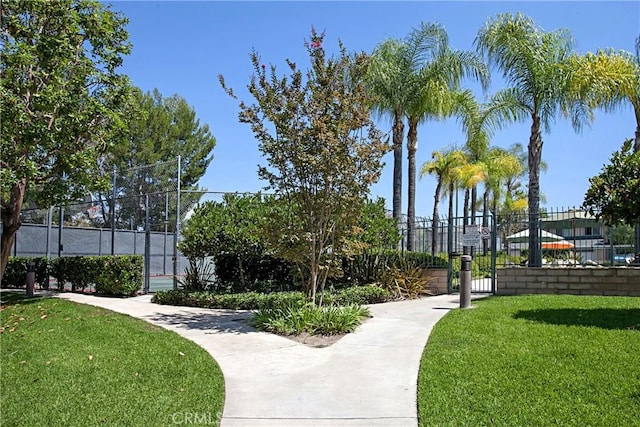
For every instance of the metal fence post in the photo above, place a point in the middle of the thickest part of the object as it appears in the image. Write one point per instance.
(113, 212)
(31, 278)
(176, 232)
(465, 281)
(147, 245)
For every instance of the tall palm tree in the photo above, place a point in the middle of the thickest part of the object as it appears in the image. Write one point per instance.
(444, 165)
(535, 63)
(499, 165)
(610, 79)
(388, 70)
(434, 85)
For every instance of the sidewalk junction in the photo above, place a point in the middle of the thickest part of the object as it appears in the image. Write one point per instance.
(367, 378)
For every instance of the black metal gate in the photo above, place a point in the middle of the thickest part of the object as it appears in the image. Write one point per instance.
(475, 236)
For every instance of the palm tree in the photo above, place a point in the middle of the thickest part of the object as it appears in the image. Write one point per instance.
(610, 80)
(444, 165)
(389, 68)
(535, 63)
(500, 165)
(434, 85)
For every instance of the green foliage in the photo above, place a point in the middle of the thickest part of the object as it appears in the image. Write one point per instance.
(376, 229)
(135, 373)
(321, 161)
(257, 300)
(367, 294)
(314, 320)
(16, 272)
(120, 275)
(370, 266)
(111, 275)
(230, 232)
(243, 301)
(158, 130)
(80, 271)
(406, 281)
(253, 273)
(62, 101)
(198, 275)
(614, 194)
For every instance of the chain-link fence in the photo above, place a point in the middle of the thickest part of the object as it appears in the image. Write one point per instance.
(142, 213)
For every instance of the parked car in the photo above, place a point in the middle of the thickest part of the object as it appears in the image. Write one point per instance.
(623, 258)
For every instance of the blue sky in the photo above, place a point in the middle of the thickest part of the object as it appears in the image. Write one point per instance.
(181, 47)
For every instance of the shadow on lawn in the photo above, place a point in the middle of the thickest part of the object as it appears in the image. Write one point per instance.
(605, 318)
(228, 321)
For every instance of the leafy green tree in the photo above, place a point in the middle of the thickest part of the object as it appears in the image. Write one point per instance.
(323, 153)
(158, 130)
(614, 194)
(537, 65)
(62, 101)
(376, 229)
(230, 227)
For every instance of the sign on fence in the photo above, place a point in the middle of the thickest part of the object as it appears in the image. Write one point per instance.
(471, 236)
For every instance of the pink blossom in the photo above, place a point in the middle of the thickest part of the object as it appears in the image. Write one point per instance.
(316, 44)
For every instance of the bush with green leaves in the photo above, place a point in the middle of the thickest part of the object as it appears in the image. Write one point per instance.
(198, 275)
(367, 294)
(15, 275)
(120, 275)
(256, 301)
(309, 318)
(109, 274)
(371, 265)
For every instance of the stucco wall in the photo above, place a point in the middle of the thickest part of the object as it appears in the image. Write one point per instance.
(577, 281)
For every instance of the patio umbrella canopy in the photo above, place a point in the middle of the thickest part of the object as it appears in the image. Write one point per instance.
(559, 245)
(523, 236)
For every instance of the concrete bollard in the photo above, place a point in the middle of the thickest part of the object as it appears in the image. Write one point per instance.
(465, 281)
(31, 278)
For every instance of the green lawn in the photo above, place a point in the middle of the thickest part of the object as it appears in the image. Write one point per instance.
(534, 361)
(66, 364)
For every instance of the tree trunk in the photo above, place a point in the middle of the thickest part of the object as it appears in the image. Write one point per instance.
(485, 220)
(474, 209)
(434, 228)
(398, 137)
(534, 158)
(11, 221)
(636, 149)
(465, 218)
(412, 147)
(449, 219)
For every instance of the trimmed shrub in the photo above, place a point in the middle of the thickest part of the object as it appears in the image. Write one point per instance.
(256, 301)
(367, 294)
(111, 275)
(119, 275)
(80, 271)
(255, 270)
(243, 301)
(15, 275)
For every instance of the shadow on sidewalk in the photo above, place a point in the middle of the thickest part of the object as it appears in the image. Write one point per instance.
(216, 322)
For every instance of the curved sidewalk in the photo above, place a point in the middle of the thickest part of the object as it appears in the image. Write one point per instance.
(367, 378)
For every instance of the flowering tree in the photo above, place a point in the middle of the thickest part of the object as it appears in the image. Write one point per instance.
(323, 153)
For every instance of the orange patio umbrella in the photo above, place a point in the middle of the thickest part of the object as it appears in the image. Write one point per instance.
(562, 244)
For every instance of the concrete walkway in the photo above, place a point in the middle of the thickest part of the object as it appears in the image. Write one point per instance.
(367, 378)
